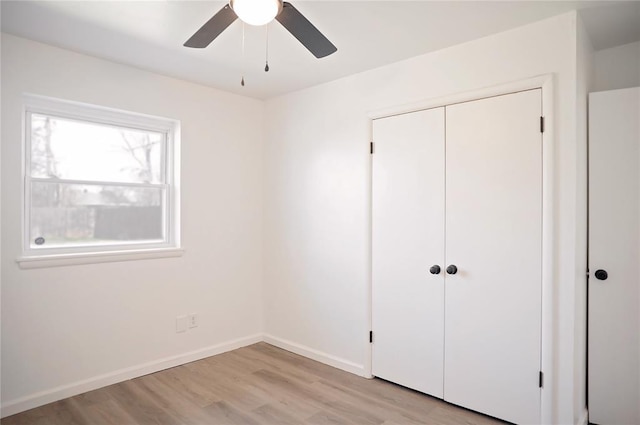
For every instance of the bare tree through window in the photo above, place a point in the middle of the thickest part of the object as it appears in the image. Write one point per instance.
(66, 207)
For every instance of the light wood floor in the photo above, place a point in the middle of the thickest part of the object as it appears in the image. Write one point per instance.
(259, 384)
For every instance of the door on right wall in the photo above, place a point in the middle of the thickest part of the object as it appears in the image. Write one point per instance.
(457, 253)
(494, 238)
(614, 253)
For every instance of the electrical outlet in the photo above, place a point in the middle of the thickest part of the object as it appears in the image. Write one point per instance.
(182, 322)
(193, 320)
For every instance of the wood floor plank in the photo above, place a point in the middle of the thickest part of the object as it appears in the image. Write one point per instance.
(353, 413)
(293, 389)
(176, 402)
(242, 390)
(225, 414)
(107, 412)
(191, 385)
(137, 404)
(255, 385)
(269, 362)
(274, 414)
(65, 412)
(297, 406)
(377, 406)
(326, 418)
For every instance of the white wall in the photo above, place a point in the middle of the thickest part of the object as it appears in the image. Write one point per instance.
(317, 195)
(585, 80)
(70, 328)
(617, 67)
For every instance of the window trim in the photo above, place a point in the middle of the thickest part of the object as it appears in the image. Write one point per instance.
(71, 259)
(47, 257)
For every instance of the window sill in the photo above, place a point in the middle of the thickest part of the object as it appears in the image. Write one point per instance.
(58, 260)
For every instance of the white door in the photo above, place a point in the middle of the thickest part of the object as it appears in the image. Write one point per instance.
(614, 235)
(493, 237)
(407, 239)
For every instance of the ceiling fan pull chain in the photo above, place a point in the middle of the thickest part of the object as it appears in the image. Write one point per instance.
(266, 66)
(243, 61)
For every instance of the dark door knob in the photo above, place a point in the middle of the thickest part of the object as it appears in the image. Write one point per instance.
(601, 274)
(452, 269)
(435, 269)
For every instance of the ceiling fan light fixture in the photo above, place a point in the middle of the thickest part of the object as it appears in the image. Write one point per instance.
(256, 12)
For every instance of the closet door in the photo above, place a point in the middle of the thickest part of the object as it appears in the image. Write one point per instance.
(493, 237)
(407, 240)
(614, 248)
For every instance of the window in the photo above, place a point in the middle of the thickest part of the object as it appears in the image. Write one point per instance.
(97, 180)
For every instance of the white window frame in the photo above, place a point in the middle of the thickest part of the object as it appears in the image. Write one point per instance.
(57, 256)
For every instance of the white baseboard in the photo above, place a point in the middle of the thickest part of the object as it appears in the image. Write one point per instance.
(584, 418)
(319, 356)
(12, 407)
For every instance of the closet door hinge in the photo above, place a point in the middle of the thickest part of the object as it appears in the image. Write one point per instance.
(540, 379)
(371, 148)
(371, 337)
(541, 124)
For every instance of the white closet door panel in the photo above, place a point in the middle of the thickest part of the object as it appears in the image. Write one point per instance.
(408, 238)
(493, 236)
(614, 238)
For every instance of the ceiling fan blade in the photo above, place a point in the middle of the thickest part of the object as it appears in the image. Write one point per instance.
(212, 28)
(304, 31)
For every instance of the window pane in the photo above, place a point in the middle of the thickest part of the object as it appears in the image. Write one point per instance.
(71, 215)
(67, 149)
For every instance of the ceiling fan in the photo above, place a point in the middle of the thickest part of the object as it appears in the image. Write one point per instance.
(261, 12)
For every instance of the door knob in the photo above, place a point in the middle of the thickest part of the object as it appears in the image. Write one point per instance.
(435, 269)
(452, 269)
(601, 274)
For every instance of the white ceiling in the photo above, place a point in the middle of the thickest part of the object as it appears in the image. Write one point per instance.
(368, 34)
(612, 25)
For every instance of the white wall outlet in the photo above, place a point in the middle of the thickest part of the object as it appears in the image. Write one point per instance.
(193, 320)
(182, 322)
